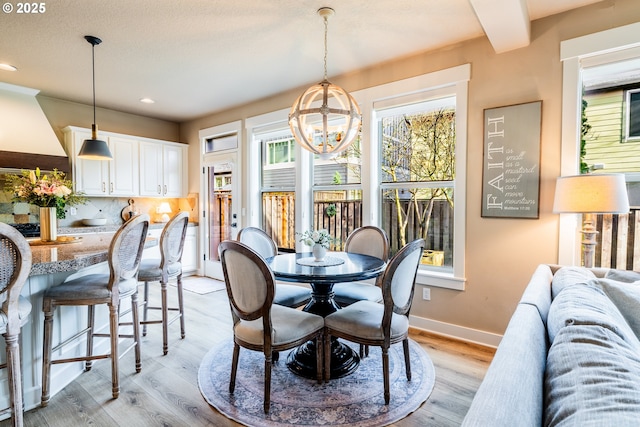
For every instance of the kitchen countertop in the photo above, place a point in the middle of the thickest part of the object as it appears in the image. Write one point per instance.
(88, 250)
(108, 228)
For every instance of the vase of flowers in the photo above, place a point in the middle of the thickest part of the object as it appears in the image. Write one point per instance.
(51, 192)
(319, 241)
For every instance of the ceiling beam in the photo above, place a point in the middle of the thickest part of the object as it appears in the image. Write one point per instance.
(505, 22)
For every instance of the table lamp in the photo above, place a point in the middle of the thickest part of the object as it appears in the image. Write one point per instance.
(165, 210)
(590, 194)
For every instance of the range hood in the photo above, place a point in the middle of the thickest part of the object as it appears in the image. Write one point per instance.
(27, 140)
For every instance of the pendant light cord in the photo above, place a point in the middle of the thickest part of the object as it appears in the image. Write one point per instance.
(93, 73)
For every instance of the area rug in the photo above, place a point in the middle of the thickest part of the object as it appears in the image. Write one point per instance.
(201, 285)
(354, 400)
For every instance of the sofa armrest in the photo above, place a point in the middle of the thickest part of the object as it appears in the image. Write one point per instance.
(512, 390)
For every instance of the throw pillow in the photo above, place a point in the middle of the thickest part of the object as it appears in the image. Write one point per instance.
(586, 303)
(627, 276)
(591, 379)
(568, 276)
(626, 297)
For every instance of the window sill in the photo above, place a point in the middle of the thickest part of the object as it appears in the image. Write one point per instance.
(440, 280)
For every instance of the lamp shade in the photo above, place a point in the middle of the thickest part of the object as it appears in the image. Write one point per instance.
(95, 149)
(591, 193)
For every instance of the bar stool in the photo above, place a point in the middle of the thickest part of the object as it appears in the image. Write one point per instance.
(15, 265)
(124, 257)
(168, 267)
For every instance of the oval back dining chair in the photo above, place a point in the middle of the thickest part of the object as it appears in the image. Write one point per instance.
(381, 325)
(125, 252)
(15, 265)
(366, 240)
(168, 267)
(258, 323)
(287, 295)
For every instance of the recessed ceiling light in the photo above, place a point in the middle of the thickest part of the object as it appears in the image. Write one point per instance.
(7, 67)
(147, 101)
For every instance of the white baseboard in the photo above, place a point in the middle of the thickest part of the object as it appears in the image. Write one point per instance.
(455, 331)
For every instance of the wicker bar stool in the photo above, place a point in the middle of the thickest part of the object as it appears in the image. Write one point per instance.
(15, 265)
(125, 253)
(168, 267)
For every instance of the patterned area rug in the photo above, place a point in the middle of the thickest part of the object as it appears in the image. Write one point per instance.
(354, 400)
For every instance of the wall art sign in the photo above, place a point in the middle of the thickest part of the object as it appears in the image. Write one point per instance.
(511, 166)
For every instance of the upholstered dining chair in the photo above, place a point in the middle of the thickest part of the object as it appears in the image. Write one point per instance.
(287, 295)
(15, 265)
(366, 240)
(371, 323)
(125, 252)
(168, 267)
(258, 324)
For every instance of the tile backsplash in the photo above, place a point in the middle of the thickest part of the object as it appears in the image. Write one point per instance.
(96, 207)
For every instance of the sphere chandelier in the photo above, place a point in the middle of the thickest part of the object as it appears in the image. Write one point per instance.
(325, 119)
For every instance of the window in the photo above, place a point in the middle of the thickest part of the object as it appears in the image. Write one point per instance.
(417, 169)
(633, 113)
(301, 192)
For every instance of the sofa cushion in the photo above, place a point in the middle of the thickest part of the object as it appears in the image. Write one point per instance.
(568, 276)
(623, 275)
(592, 378)
(586, 303)
(626, 297)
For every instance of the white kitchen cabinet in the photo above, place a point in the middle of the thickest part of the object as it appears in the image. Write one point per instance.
(163, 169)
(140, 166)
(117, 177)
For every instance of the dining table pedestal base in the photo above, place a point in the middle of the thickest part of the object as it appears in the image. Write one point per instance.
(302, 360)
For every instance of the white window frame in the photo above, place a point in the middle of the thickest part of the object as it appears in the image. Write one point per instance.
(594, 49)
(627, 96)
(452, 80)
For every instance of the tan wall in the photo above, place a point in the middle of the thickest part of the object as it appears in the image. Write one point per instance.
(501, 253)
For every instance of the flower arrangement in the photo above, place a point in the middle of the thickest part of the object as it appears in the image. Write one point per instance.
(45, 191)
(321, 237)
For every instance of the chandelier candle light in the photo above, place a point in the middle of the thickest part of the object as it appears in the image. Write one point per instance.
(325, 119)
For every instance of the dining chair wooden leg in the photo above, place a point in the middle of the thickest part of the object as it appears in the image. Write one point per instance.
(46, 354)
(180, 305)
(145, 302)
(165, 318)
(113, 329)
(14, 377)
(90, 325)
(385, 374)
(407, 359)
(267, 381)
(327, 357)
(320, 358)
(234, 367)
(135, 319)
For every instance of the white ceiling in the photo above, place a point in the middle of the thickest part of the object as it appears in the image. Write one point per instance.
(196, 57)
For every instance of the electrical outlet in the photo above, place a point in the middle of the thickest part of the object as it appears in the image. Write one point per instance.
(426, 294)
(73, 211)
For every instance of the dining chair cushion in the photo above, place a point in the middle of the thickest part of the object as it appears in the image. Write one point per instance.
(288, 325)
(351, 292)
(24, 309)
(91, 286)
(150, 269)
(291, 295)
(364, 319)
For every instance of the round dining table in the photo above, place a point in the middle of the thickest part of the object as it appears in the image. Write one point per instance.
(337, 267)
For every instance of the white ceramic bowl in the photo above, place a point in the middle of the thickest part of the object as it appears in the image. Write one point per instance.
(94, 221)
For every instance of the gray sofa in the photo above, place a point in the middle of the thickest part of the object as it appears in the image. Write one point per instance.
(570, 355)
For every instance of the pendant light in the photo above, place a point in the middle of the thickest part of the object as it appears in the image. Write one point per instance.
(94, 148)
(325, 119)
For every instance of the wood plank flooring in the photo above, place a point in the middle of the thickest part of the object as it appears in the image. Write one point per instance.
(166, 392)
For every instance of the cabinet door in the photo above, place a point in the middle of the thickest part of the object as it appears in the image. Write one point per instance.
(150, 169)
(172, 171)
(92, 176)
(123, 169)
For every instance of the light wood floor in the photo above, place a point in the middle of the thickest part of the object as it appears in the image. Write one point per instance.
(166, 392)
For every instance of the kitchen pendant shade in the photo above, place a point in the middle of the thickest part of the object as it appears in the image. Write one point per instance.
(94, 148)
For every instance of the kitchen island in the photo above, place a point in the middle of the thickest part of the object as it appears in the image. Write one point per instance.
(74, 256)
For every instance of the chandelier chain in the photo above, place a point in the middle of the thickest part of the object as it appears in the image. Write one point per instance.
(326, 25)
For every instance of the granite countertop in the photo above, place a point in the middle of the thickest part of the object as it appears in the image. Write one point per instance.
(109, 228)
(82, 252)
